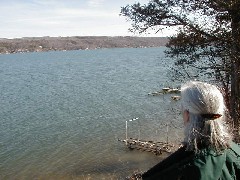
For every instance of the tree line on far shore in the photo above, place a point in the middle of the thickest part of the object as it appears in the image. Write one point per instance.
(39, 44)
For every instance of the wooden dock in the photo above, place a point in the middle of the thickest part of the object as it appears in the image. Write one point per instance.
(150, 146)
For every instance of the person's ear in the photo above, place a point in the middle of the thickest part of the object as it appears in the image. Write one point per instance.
(185, 116)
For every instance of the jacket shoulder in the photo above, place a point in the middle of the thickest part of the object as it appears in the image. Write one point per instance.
(173, 167)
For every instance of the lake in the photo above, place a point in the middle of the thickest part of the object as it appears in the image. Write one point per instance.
(63, 112)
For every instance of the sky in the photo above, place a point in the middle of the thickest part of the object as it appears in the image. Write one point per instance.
(38, 18)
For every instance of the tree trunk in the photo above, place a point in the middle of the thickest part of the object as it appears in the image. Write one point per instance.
(235, 72)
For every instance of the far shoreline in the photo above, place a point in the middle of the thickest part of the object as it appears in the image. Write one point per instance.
(45, 44)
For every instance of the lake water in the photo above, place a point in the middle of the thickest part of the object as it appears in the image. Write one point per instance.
(62, 113)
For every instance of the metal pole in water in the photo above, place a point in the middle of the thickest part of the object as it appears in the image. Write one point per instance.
(167, 133)
(126, 133)
(138, 134)
(127, 127)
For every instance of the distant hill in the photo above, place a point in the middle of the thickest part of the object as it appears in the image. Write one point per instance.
(39, 44)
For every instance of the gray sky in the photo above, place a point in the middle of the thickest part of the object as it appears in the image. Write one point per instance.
(36, 18)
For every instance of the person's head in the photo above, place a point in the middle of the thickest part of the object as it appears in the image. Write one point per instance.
(204, 115)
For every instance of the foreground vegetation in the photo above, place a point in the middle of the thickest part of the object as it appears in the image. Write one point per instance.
(207, 43)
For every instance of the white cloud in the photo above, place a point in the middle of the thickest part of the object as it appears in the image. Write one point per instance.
(95, 3)
(87, 13)
(62, 18)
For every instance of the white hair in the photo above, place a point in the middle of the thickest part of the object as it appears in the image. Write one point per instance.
(201, 100)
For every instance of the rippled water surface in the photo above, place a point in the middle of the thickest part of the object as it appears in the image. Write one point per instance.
(62, 113)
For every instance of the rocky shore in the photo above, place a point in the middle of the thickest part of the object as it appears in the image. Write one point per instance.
(41, 44)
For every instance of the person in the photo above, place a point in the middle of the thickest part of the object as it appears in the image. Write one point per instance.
(208, 152)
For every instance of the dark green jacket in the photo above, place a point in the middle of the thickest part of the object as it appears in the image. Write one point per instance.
(205, 165)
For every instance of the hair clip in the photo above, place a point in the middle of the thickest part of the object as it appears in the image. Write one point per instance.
(211, 116)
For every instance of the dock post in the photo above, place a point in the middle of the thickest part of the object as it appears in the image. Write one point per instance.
(138, 134)
(127, 127)
(167, 133)
(126, 132)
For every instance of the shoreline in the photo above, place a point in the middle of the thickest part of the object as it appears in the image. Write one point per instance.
(45, 44)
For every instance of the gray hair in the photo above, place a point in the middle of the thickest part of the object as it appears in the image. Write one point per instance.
(201, 99)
